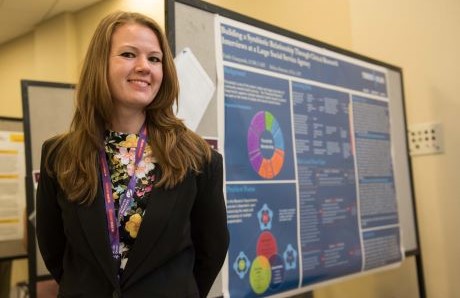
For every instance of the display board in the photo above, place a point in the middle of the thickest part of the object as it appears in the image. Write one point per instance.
(317, 175)
(47, 111)
(12, 189)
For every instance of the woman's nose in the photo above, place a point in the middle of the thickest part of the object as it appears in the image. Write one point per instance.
(142, 65)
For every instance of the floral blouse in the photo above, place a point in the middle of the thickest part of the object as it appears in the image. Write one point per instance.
(120, 149)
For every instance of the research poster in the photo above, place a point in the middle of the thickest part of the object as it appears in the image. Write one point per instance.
(309, 176)
(12, 188)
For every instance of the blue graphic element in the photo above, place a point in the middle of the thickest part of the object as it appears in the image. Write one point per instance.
(265, 216)
(277, 264)
(241, 265)
(245, 233)
(290, 257)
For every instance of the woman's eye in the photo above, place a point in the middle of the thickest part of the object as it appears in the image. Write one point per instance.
(127, 55)
(154, 59)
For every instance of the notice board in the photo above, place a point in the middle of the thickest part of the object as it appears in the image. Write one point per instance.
(317, 175)
(12, 189)
(47, 111)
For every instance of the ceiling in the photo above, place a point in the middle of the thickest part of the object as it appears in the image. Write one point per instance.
(18, 17)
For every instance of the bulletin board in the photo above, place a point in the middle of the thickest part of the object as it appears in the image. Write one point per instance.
(11, 217)
(322, 128)
(47, 111)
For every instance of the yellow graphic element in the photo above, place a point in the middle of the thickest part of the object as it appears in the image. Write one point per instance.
(241, 265)
(9, 220)
(17, 138)
(9, 176)
(260, 275)
(11, 151)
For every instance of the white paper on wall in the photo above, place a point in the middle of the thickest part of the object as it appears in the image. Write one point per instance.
(196, 89)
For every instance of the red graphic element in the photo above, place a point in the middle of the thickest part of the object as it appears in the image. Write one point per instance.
(266, 245)
(265, 217)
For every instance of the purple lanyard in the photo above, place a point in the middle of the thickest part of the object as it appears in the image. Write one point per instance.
(126, 200)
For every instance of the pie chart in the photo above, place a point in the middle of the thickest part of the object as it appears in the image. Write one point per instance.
(265, 145)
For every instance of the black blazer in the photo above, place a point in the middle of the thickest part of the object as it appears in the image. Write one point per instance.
(179, 250)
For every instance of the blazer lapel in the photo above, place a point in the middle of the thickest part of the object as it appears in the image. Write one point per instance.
(94, 223)
(158, 211)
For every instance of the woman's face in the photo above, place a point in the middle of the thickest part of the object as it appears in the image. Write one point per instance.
(135, 67)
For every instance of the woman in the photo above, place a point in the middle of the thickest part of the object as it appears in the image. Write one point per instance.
(130, 202)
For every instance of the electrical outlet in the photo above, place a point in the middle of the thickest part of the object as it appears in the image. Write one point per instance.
(425, 138)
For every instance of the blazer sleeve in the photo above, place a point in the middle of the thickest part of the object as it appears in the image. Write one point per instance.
(210, 235)
(50, 232)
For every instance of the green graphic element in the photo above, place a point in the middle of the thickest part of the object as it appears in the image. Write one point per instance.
(241, 265)
(260, 275)
(269, 121)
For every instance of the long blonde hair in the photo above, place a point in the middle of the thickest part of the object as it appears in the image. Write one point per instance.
(75, 154)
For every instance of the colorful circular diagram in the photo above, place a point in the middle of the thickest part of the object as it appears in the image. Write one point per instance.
(265, 145)
(260, 275)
